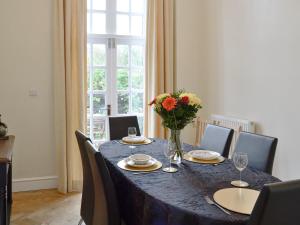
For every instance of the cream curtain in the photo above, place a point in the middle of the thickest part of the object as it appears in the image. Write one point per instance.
(159, 59)
(69, 88)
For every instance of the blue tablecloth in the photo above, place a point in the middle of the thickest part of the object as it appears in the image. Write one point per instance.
(174, 199)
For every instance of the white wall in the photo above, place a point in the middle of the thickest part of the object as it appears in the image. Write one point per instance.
(251, 66)
(26, 63)
(190, 52)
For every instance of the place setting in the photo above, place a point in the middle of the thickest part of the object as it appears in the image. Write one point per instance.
(133, 139)
(237, 199)
(204, 157)
(140, 163)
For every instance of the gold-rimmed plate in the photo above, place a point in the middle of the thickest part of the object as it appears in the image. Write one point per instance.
(190, 158)
(146, 142)
(124, 165)
(240, 200)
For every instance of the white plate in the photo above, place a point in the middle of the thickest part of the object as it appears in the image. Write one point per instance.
(136, 139)
(204, 154)
(131, 163)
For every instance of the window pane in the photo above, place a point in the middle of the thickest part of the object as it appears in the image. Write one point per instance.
(88, 2)
(137, 79)
(88, 105)
(99, 4)
(123, 5)
(122, 79)
(88, 21)
(99, 104)
(99, 79)
(123, 103)
(122, 55)
(137, 56)
(99, 23)
(99, 130)
(88, 54)
(122, 24)
(88, 78)
(137, 6)
(137, 102)
(137, 25)
(99, 55)
(88, 126)
(141, 123)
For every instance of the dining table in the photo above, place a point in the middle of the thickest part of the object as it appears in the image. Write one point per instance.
(160, 198)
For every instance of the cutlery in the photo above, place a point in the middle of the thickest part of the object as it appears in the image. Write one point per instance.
(211, 202)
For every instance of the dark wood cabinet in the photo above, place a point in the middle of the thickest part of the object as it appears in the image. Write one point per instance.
(6, 147)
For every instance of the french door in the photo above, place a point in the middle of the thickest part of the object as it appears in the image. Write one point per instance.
(115, 49)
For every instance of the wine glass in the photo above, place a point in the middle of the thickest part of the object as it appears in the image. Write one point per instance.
(240, 161)
(132, 133)
(170, 152)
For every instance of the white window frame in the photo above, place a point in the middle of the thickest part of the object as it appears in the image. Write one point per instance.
(111, 40)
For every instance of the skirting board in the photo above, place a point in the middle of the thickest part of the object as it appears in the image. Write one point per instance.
(34, 183)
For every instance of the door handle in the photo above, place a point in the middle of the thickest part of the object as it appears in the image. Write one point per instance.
(108, 110)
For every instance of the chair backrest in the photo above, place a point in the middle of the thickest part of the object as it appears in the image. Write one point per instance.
(277, 204)
(260, 149)
(87, 200)
(118, 126)
(106, 208)
(217, 138)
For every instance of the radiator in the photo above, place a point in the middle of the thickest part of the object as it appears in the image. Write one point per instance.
(236, 124)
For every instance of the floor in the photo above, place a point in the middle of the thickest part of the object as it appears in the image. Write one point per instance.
(45, 207)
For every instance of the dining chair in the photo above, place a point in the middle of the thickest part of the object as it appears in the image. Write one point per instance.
(217, 138)
(277, 204)
(260, 149)
(105, 204)
(87, 198)
(118, 126)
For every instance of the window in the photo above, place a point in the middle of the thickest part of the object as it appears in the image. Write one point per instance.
(116, 49)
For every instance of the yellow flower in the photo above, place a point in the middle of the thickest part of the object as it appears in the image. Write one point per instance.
(161, 96)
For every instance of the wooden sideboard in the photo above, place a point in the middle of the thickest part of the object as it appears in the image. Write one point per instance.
(6, 147)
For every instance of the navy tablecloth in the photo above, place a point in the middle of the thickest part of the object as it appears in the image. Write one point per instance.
(174, 199)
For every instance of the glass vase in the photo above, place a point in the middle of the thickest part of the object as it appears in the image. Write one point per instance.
(174, 143)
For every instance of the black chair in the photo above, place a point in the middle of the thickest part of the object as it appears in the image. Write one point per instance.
(118, 126)
(277, 204)
(87, 199)
(260, 149)
(105, 207)
(217, 138)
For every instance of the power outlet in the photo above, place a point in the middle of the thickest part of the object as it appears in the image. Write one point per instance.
(32, 92)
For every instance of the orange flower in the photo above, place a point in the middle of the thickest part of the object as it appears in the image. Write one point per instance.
(169, 103)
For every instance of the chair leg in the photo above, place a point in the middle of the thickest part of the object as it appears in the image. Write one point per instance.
(80, 221)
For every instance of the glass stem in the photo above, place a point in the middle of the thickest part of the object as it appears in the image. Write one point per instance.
(170, 163)
(240, 176)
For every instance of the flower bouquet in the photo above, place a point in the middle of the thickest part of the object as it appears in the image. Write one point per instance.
(176, 110)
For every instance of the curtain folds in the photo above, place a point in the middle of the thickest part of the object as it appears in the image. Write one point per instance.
(69, 88)
(159, 71)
